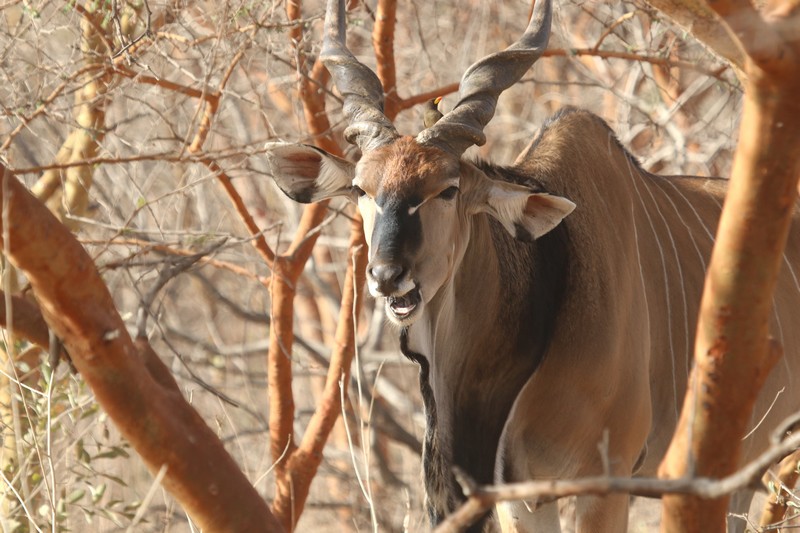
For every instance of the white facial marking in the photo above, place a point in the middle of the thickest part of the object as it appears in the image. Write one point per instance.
(449, 183)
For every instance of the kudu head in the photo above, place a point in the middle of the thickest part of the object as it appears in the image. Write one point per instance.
(416, 194)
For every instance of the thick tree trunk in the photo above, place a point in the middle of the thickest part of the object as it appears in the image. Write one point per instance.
(128, 379)
(733, 353)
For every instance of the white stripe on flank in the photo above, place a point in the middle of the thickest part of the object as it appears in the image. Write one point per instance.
(659, 183)
(677, 265)
(641, 273)
(696, 214)
(631, 175)
(791, 271)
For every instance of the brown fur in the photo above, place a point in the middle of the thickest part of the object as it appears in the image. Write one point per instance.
(613, 363)
(405, 168)
(541, 351)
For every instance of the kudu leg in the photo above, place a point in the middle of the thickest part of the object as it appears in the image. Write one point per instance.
(517, 517)
(608, 514)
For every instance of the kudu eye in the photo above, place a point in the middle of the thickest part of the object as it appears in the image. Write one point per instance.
(359, 191)
(448, 194)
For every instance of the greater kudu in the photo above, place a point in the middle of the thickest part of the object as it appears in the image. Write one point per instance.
(539, 335)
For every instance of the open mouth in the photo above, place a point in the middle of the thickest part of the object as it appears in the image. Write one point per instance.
(402, 307)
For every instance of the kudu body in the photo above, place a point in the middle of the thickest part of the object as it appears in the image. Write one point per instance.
(553, 343)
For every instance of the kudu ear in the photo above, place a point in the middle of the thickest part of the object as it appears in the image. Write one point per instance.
(524, 213)
(309, 174)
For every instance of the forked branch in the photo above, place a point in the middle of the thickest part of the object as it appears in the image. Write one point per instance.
(129, 381)
(481, 499)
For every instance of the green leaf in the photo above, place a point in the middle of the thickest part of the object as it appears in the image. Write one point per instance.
(75, 495)
(115, 451)
(89, 412)
(97, 492)
(82, 455)
(133, 506)
(47, 372)
(115, 479)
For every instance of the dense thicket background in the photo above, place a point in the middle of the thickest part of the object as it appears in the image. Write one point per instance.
(128, 152)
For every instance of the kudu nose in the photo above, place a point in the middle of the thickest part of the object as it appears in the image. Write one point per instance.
(387, 276)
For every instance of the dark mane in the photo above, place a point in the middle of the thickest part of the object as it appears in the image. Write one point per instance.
(550, 254)
(509, 174)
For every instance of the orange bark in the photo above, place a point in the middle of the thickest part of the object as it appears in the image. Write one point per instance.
(128, 379)
(294, 472)
(28, 322)
(279, 372)
(733, 354)
(776, 505)
(302, 464)
(383, 43)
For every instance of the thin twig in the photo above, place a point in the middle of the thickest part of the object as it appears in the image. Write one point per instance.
(613, 25)
(630, 56)
(145, 33)
(482, 498)
(179, 265)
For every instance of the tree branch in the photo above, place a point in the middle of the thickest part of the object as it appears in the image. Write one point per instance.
(776, 506)
(696, 17)
(129, 381)
(286, 272)
(733, 353)
(480, 499)
(383, 44)
(304, 462)
(28, 321)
